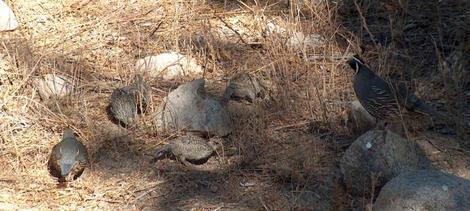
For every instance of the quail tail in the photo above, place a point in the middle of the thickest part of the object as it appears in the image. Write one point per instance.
(425, 108)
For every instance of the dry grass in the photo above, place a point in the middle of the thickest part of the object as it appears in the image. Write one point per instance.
(280, 163)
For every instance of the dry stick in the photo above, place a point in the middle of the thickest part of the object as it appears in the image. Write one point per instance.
(156, 28)
(151, 189)
(291, 125)
(264, 204)
(231, 28)
(228, 25)
(364, 23)
(243, 3)
(324, 110)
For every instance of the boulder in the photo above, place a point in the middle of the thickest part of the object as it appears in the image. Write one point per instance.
(51, 85)
(189, 108)
(169, 66)
(424, 190)
(382, 155)
(8, 20)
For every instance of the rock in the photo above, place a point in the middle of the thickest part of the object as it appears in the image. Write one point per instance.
(51, 85)
(272, 28)
(425, 190)
(68, 158)
(244, 87)
(361, 119)
(189, 108)
(8, 20)
(298, 40)
(188, 149)
(169, 66)
(127, 101)
(381, 154)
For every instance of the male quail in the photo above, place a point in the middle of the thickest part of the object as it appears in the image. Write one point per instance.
(127, 101)
(68, 158)
(188, 149)
(385, 100)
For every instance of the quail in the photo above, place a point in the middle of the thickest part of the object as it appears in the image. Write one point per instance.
(188, 149)
(68, 158)
(385, 100)
(127, 101)
(243, 87)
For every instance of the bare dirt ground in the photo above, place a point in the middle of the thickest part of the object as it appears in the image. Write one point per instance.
(287, 149)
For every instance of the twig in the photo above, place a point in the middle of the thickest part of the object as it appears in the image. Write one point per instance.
(364, 23)
(291, 125)
(264, 204)
(152, 188)
(231, 28)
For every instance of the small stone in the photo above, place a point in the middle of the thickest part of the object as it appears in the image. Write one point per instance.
(273, 28)
(169, 66)
(51, 85)
(299, 40)
(8, 20)
(213, 188)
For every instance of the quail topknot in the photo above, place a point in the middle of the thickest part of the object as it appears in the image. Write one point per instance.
(127, 102)
(385, 100)
(68, 158)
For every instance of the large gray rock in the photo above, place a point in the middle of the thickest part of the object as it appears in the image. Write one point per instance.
(189, 108)
(425, 190)
(381, 155)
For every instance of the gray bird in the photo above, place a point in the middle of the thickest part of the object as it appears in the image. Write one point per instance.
(188, 149)
(385, 100)
(68, 158)
(127, 102)
(244, 87)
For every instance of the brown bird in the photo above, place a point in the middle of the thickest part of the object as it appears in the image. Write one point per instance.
(68, 158)
(188, 149)
(127, 102)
